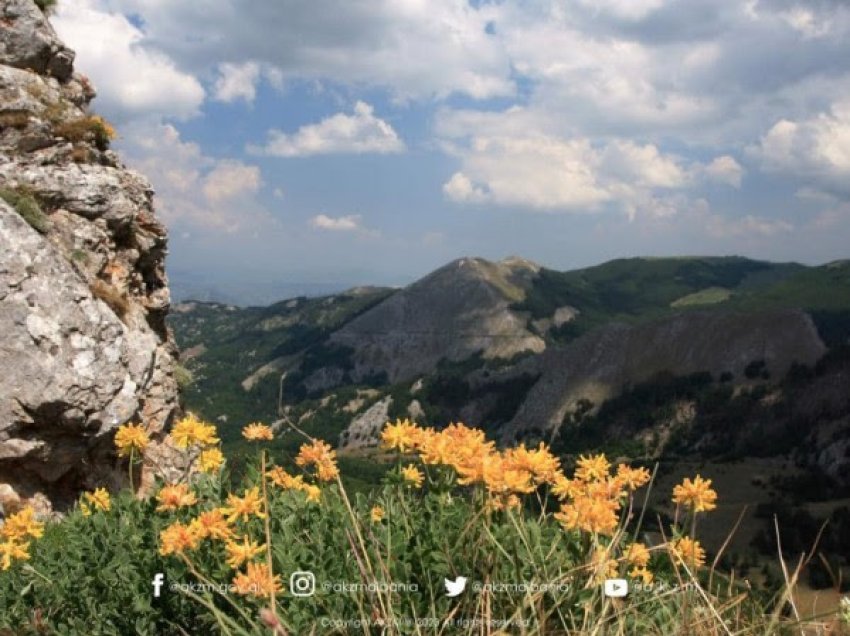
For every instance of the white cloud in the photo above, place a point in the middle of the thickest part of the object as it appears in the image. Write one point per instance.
(229, 179)
(817, 148)
(725, 169)
(539, 172)
(196, 193)
(132, 79)
(413, 48)
(237, 81)
(352, 223)
(339, 224)
(358, 133)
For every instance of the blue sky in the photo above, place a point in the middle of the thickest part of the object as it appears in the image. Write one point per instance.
(332, 143)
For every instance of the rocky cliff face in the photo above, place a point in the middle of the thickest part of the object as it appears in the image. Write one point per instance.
(598, 365)
(83, 295)
(459, 310)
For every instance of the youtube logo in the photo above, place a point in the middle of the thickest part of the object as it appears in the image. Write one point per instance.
(616, 588)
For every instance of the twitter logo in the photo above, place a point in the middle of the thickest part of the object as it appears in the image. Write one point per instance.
(453, 588)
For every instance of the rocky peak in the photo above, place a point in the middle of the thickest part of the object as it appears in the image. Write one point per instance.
(456, 311)
(83, 291)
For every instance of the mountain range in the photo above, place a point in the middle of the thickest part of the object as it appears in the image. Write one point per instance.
(509, 345)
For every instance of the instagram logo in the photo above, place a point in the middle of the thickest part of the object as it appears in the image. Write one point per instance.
(302, 583)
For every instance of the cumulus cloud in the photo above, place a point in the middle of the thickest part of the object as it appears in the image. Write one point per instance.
(196, 193)
(413, 48)
(237, 81)
(817, 148)
(358, 133)
(352, 223)
(725, 169)
(132, 78)
(228, 179)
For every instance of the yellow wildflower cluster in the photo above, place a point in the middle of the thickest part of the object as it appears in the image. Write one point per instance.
(256, 432)
(191, 431)
(475, 460)
(697, 494)
(319, 454)
(97, 500)
(592, 500)
(244, 507)
(283, 479)
(18, 527)
(174, 496)
(131, 438)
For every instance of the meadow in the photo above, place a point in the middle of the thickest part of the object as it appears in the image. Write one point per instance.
(288, 550)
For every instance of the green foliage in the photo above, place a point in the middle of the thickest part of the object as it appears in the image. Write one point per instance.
(183, 377)
(92, 575)
(27, 206)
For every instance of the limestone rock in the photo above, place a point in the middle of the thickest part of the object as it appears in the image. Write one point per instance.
(83, 291)
(28, 41)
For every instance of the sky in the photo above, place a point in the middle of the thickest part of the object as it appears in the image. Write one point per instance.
(299, 146)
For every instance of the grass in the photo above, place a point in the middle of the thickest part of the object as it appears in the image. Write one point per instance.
(709, 296)
(534, 548)
(27, 206)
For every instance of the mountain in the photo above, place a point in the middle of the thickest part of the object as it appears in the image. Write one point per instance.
(83, 291)
(508, 345)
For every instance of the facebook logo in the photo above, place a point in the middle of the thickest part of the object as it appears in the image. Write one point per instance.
(158, 582)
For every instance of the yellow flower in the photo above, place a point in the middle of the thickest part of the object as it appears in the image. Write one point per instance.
(321, 455)
(598, 516)
(280, 477)
(633, 478)
(211, 524)
(210, 460)
(177, 538)
(642, 573)
(540, 462)
(377, 514)
(401, 436)
(637, 554)
(99, 499)
(175, 496)
(245, 506)
(413, 475)
(190, 430)
(314, 493)
(593, 468)
(564, 488)
(257, 580)
(21, 525)
(689, 551)
(256, 432)
(12, 549)
(238, 553)
(696, 494)
(131, 437)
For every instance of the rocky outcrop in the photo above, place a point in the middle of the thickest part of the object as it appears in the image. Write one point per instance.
(83, 291)
(457, 311)
(599, 364)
